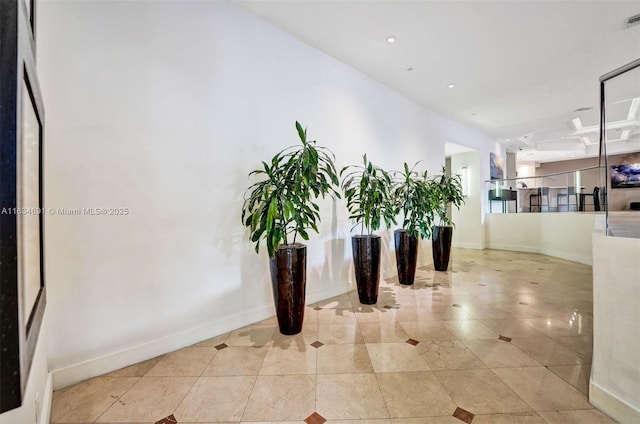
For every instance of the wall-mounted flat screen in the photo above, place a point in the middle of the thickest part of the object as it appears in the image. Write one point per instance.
(626, 175)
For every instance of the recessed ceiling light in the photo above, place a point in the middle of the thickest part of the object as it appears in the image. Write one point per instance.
(409, 69)
(451, 85)
(508, 139)
(391, 39)
(473, 114)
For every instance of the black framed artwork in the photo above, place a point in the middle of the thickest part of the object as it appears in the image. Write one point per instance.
(22, 278)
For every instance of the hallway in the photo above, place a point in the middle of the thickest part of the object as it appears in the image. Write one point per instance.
(503, 337)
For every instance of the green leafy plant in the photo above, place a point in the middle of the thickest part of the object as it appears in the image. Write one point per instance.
(368, 191)
(448, 192)
(280, 207)
(415, 201)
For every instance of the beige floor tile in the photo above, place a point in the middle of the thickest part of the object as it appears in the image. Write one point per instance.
(344, 359)
(542, 389)
(349, 396)
(270, 422)
(187, 362)
(576, 375)
(212, 342)
(470, 330)
(481, 312)
(216, 399)
(414, 394)
(308, 335)
(281, 398)
(396, 357)
(414, 315)
(236, 360)
(251, 336)
(582, 345)
(150, 399)
(449, 355)
(590, 416)
(86, 401)
(499, 354)
(135, 370)
(481, 392)
(448, 313)
(548, 352)
(427, 420)
(340, 333)
(338, 302)
(550, 321)
(555, 327)
(514, 418)
(289, 360)
(428, 331)
(380, 332)
(336, 316)
(366, 313)
(512, 328)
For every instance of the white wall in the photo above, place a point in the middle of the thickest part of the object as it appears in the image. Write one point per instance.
(563, 235)
(468, 230)
(615, 372)
(163, 108)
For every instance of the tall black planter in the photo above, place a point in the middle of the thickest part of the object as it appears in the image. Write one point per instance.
(441, 247)
(289, 280)
(406, 256)
(366, 261)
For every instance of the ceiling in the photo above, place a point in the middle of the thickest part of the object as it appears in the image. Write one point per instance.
(520, 69)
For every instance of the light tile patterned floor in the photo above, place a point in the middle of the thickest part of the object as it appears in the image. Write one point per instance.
(502, 337)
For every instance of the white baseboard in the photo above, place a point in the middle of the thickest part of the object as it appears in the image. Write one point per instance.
(463, 245)
(616, 408)
(544, 251)
(513, 247)
(566, 255)
(76, 373)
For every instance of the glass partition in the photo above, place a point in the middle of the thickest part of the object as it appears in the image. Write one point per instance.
(620, 149)
(581, 190)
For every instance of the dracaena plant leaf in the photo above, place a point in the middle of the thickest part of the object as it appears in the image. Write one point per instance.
(281, 206)
(367, 191)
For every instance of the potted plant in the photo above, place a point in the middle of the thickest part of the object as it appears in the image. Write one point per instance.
(416, 204)
(279, 208)
(447, 190)
(368, 193)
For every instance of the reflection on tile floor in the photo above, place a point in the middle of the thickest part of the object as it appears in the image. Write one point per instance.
(502, 337)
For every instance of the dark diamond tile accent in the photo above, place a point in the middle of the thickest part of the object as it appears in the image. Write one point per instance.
(463, 415)
(504, 338)
(534, 283)
(387, 307)
(412, 342)
(168, 420)
(314, 418)
(317, 344)
(317, 308)
(523, 303)
(482, 284)
(455, 305)
(221, 346)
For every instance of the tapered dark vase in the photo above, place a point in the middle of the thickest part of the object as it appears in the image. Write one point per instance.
(441, 246)
(406, 256)
(366, 262)
(289, 280)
